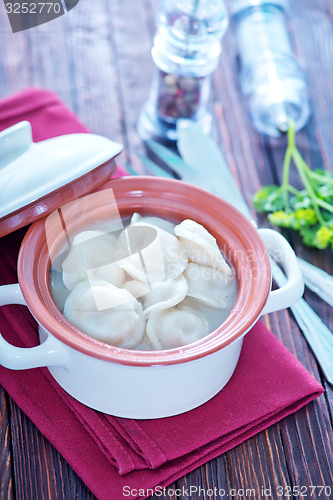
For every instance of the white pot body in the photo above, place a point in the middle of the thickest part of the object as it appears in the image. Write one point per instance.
(142, 391)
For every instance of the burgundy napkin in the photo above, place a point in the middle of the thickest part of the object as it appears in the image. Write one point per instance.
(111, 453)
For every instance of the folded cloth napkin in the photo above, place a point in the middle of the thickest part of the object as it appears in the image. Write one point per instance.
(116, 455)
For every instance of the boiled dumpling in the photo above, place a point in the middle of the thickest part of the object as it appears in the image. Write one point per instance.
(210, 286)
(165, 295)
(137, 288)
(105, 312)
(91, 257)
(153, 254)
(154, 221)
(201, 246)
(175, 327)
(139, 254)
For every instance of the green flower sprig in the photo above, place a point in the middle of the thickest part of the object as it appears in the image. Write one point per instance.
(310, 210)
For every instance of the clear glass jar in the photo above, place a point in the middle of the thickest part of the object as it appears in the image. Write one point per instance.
(186, 51)
(271, 77)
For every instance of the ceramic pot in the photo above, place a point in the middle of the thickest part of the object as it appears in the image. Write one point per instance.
(146, 384)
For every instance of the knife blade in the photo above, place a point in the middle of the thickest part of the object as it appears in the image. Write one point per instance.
(196, 148)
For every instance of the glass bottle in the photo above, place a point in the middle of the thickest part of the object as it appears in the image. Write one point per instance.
(271, 77)
(186, 51)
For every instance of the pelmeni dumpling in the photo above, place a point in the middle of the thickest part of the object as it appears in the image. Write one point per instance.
(210, 286)
(139, 253)
(201, 246)
(154, 221)
(151, 259)
(136, 288)
(105, 312)
(175, 327)
(91, 257)
(165, 295)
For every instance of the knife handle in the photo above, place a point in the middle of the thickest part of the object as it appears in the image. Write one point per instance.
(317, 280)
(317, 334)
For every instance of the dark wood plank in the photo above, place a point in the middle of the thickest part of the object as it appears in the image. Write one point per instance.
(6, 472)
(40, 471)
(99, 63)
(92, 66)
(212, 475)
(73, 55)
(257, 465)
(301, 440)
(132, 41)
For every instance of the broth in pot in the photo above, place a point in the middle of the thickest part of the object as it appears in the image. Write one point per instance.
(153, 285)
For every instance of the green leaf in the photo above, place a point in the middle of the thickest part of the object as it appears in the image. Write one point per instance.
(323, 172)
(325, 192)
(321, 179)
(300, 201)
(308, 234)
(268, 199)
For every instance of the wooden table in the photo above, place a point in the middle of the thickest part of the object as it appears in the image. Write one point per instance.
(97, 58)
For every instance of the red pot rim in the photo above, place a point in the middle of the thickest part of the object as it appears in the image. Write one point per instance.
(171, 199)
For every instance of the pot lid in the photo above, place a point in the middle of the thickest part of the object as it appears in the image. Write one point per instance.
(31, 172)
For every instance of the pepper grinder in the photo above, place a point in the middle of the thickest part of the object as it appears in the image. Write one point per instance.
(186, 51)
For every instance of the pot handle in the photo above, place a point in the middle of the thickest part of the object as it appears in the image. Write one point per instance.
(284, 297)
(50, 353)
